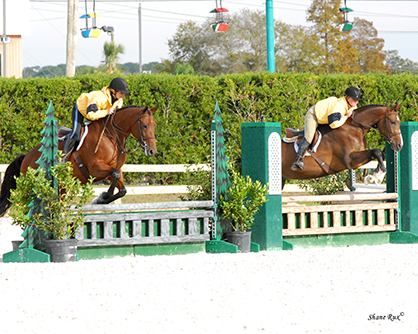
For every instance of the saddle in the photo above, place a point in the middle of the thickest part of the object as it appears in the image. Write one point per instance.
(63, 133)
(295, 136)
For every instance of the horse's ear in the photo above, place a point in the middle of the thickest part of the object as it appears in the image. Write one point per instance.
(398, 106)
(153, 110)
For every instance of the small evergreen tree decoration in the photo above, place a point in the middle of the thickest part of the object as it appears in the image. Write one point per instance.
(48, 158)
(221, 167)
(223, 181)
(49, 142)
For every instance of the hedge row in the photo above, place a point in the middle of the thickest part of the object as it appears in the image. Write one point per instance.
(187, 103)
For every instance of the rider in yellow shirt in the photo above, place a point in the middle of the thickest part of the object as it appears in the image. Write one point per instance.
(93, 106)
(332, 111)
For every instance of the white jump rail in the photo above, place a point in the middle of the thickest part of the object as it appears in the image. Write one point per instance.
(146, 190)
(182, 189)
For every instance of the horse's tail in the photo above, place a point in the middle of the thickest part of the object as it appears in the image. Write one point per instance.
(9, 183)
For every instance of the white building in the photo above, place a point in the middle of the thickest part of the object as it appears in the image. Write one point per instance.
(17, 21)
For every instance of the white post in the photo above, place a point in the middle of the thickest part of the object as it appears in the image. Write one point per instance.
(140, 35)
(4, 39)
(71, 37)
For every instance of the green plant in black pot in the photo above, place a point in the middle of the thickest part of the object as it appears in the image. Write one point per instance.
(241, 203)
(57, 219)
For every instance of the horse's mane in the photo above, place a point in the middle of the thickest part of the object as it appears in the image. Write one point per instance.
(368, 106)
(126, 107)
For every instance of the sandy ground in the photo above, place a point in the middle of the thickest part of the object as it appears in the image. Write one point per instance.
(331, 290)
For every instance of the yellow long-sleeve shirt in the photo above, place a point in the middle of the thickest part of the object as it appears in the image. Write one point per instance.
(94, 105)
(331, 111)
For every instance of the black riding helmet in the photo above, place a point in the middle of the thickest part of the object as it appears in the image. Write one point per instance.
(353, 92)
(120, 85)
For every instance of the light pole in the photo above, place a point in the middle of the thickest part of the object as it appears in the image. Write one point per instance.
(140, 35)
(4, 39)
(270, 36)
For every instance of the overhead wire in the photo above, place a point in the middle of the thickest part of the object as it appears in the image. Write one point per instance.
(129, 13)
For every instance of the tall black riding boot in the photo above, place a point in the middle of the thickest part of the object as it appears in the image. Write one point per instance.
(303, 146)
(68, 147)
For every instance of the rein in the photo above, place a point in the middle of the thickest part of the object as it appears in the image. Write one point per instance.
(374, 125)
(118, 129)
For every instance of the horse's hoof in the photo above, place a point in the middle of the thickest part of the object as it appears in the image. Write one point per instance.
(369, 179)
(101, 199)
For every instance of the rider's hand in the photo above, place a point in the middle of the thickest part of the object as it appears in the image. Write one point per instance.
(111, 111)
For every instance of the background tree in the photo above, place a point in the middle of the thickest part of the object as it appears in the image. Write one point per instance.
(399, 65)
(320, 48)
(346, 57)
(323, 14)
(357, 51)
(45, 71)
(190, 44)
(369, 47)
(240, 49)
(296, 49)
(111, 52)
(185, 69)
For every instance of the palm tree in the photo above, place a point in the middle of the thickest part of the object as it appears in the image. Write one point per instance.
(111, 51)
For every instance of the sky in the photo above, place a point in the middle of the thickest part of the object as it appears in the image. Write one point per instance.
(44, 39)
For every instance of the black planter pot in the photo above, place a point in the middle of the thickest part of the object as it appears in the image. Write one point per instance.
(241, 239)
(16, 244)
(62, 250)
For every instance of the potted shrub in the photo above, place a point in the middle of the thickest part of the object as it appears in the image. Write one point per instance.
(57, 219)
(240, 205)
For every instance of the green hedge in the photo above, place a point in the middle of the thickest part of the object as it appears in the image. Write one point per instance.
(187, 104)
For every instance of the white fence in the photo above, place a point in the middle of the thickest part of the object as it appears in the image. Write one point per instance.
(146, 190)
(182, 189)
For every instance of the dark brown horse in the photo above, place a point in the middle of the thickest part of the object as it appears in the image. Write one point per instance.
(345, 147)
(107, 137)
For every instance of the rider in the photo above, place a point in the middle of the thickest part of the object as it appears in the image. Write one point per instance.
(93, 106)
(332, 111)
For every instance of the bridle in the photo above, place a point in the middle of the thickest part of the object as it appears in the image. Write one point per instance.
(118, 129)
(388, 138)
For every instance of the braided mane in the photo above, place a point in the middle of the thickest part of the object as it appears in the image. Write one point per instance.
(369, 105)
(132, 106)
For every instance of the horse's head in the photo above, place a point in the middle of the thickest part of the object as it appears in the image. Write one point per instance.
(145, 131)
(390, 126)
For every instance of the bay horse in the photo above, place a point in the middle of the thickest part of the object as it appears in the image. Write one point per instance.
(109, 140)
(345, 147)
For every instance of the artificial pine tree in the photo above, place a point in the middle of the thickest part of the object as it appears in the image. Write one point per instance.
(222, 176)
(49, 142)
(223, 181)
(49, 148)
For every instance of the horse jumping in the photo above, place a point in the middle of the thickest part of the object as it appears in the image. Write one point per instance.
(101, 155)
(345, 147)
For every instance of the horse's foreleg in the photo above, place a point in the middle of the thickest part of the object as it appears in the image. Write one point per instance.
(109, 196)
(360, 158)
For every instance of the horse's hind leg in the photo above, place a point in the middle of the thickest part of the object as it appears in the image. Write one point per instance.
(117, 182)
(9, 183)
(283, 183)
